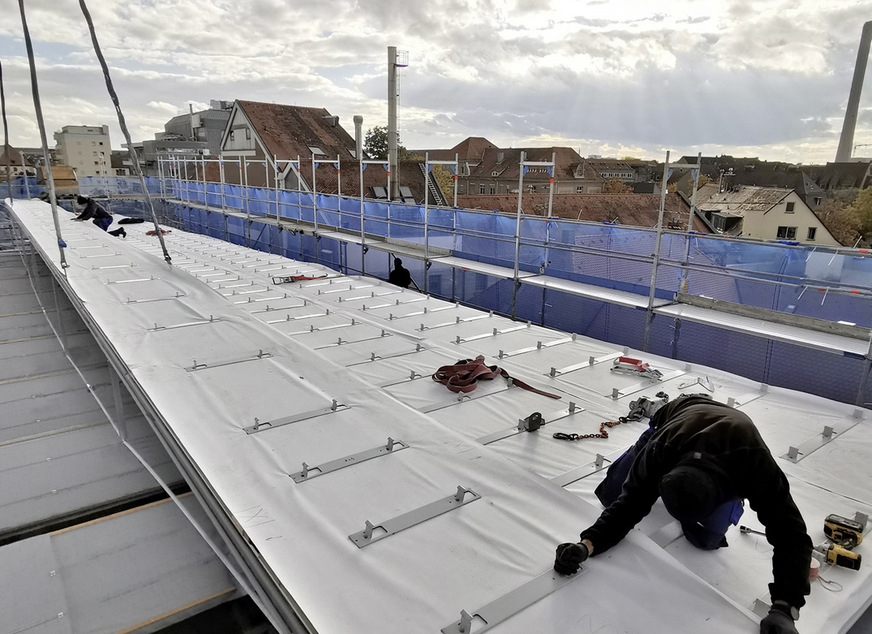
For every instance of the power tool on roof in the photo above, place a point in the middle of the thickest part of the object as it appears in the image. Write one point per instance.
(844, 534)
(628, 365)
(842, 531)
(644, 407)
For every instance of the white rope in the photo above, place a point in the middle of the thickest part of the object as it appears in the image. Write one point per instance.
(123, 125)
(6, 139)
(45, 155)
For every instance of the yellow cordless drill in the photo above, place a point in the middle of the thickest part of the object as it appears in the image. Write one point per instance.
(844, 534)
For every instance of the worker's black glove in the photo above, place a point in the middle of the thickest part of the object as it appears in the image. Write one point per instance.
(569, 558)
(778, 621)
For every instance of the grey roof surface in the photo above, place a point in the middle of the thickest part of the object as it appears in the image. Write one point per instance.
(744, 199)
(81, 548)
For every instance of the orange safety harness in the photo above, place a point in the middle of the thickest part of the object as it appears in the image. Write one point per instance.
(464, 375)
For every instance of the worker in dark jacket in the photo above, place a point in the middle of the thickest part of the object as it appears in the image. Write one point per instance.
(703, 458)
(400, 275)
(94, 212)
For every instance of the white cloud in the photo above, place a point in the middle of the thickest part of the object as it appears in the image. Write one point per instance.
(768, 77)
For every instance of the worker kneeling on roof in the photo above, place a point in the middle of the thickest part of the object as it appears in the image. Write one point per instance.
(703, 459)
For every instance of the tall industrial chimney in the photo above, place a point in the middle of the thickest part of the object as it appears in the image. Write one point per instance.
(394, 62)
(846, 141)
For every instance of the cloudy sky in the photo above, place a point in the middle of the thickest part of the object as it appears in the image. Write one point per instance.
(767, 78)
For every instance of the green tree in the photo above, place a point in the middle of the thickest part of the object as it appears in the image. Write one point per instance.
(861, 209)
(375, 143)
(840, 216)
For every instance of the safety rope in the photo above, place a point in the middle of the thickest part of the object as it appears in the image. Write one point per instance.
(38, 108)
(6, 139)
(123, 126)
(463, 376)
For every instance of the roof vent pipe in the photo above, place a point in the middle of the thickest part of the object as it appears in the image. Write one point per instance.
(846, 140)
(358, 136)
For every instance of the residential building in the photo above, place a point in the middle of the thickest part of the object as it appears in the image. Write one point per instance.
(499, 170)
(85, 148)
(120, 162)
(612, 168)
(273, 137)
(639, 210)
(205, 126)
(765, 213)
(835, 177)
(469, 153)
(730, 172)
(13, 163)
(163, 145)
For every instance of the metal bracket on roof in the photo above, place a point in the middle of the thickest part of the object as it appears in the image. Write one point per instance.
(211, 320)
(202, 366)
(340, 341)
(260, 425)
(155, 299)
(586, 470)
(829, 433)
(307, 473)
(375, 532)
(494, 333)
(539, 346)
(506, 433)
(555, 372)
(503, 608)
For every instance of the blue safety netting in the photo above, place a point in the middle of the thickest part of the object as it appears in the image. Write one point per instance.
(817, 282)
(101, 186)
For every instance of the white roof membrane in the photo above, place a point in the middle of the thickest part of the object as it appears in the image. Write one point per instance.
(253, 379)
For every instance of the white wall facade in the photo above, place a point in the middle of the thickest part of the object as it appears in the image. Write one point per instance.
(789, 219)
(85, 148)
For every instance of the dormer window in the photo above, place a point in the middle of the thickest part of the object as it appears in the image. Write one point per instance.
(495, 173)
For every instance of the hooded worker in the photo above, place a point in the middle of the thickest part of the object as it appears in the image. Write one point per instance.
(703, 458)
(94, 212)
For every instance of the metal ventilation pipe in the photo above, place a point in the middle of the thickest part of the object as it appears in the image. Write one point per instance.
(844, 152)
(358, 136)
(392, 121)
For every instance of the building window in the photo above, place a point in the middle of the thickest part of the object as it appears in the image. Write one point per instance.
(811, 233)
(248, 134)
(481, 188)
(579, 190)
(817, 201)
(233, 135)
(789, 208)
(493, 188)
(786, 233)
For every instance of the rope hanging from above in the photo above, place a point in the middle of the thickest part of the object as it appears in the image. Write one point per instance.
(38, 108)
(6, 139)
(121, 122)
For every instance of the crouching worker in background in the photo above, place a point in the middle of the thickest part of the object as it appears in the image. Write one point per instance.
(703, 459)
(99, 216)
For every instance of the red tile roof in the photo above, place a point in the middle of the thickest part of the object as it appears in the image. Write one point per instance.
(289, 131)
(640, 210)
